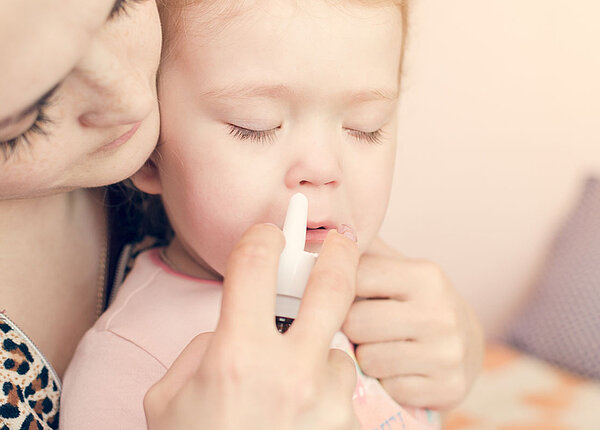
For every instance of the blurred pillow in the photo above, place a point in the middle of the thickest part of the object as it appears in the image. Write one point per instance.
(560, 322)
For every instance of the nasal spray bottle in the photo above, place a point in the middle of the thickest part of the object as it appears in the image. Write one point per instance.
(295, 264)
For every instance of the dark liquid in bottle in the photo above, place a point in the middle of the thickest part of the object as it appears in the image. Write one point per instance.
(283, 324)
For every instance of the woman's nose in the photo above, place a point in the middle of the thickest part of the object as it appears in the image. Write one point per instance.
(317, 165)
(119, 91)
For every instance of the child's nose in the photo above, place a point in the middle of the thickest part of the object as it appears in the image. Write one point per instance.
(319, 166)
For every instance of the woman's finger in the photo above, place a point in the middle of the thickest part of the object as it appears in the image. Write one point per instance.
(342, 371)
(181, 371)
(250, 281)
(329, 293)
(341, 385)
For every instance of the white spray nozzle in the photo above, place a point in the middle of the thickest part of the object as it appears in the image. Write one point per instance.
(295, 264)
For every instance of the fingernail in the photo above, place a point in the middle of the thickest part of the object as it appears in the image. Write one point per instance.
(347, 231)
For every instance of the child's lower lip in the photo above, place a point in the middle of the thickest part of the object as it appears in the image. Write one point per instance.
(316, 235)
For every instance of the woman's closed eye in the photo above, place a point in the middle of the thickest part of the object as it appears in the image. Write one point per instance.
(258, 136)
(120, 6)
(38, 127)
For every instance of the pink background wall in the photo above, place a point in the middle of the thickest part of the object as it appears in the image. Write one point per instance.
(499, 124)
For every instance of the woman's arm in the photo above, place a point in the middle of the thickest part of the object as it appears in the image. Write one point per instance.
(415, 333)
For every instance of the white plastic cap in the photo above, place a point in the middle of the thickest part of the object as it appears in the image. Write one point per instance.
(295, 264)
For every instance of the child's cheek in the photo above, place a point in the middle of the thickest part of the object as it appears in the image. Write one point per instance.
(370, 207)
(216, 222)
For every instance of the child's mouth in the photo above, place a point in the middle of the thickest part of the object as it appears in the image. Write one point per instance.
(316, 235)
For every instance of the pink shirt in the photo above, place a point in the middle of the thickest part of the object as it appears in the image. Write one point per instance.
(156, 313)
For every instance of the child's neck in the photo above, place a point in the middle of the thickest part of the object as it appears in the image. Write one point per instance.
(185, 262)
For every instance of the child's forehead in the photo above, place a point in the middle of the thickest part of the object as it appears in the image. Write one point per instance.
(203, 18)
(232, 8)
(268, 35)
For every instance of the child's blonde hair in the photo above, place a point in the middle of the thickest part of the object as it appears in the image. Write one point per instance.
(173, 23)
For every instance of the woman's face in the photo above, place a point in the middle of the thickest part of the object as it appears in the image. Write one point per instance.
(78, 103)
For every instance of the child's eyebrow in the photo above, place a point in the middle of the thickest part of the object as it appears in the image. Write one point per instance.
(373, 95)
(249, 91)
(277, 91)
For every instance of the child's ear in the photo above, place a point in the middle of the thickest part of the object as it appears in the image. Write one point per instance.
(147, 179)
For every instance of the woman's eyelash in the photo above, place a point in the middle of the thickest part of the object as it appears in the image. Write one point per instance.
(258, 136)
(373, 137)
(38, 127)
(120, 6)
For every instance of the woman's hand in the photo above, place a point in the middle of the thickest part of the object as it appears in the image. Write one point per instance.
(416, 334)
(246, 374)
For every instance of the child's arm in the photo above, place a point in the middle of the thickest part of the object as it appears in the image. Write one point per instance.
(425, 343)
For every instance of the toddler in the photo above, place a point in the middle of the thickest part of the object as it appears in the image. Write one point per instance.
(259, 100)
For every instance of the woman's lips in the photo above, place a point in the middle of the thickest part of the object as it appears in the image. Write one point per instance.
(121, 139)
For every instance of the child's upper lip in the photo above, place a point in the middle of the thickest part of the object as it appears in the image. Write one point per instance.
(326, 224)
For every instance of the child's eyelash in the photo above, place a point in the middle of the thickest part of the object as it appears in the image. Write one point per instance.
(258, 136)
(8, 147)
(267, 136)
(120, 6)
(373, 137)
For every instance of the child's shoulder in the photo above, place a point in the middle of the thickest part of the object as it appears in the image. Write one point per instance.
(160, 310)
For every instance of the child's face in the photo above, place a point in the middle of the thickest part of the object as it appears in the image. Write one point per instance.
(276, 99)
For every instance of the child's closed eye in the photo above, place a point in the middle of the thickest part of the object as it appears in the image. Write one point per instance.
(268, 135)
(373, 137)
(258, 136)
